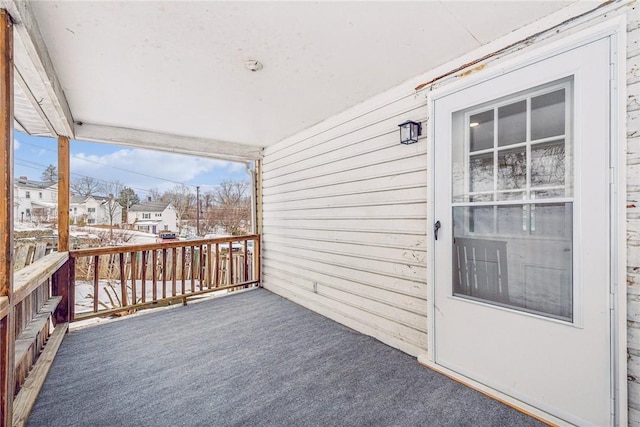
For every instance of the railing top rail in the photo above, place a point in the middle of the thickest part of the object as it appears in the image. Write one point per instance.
(4, 307)
(155, 246)
(30, 277)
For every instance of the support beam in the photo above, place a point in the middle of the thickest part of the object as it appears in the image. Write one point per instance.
(7, 328)
(34, 64)
(64, 172)
(165, 142)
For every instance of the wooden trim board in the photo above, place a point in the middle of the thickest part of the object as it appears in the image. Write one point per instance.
(26, 398)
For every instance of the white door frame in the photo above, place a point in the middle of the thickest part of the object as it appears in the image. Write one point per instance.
(615, 30)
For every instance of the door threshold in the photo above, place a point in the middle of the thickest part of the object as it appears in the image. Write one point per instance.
(516, 404)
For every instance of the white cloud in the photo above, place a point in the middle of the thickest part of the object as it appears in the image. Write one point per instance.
(145, 169)
(16, 144)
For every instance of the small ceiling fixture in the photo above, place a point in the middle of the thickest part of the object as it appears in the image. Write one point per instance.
(253, 65)
(410, 131)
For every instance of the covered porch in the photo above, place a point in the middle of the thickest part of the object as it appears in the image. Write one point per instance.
(249, 358)
(343, 214)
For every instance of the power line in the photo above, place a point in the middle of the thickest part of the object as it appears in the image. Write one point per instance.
(110, 166)
(41, 166)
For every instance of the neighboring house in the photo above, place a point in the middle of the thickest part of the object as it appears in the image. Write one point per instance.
(153, 217)
(35, 200)
(95, 210)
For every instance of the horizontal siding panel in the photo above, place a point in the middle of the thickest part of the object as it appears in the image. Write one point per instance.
(394, 181)
(634, 417)
(369, 159)
(301, 277)
(405, 339)
(633, 340)
(354, 175)
(390, 312)
(381, 209)
(360, 127)
(411, 225)
(379, 195)
(350, 147)
(402, 285)
(409, 270)
(397, 255)
(375, 239)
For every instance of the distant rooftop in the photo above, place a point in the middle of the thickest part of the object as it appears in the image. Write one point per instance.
(149, 207)
(23, 181)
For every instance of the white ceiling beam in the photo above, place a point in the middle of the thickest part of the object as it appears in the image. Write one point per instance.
(33, 63)
(166, 142)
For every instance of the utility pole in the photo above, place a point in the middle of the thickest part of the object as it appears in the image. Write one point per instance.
(198, 210)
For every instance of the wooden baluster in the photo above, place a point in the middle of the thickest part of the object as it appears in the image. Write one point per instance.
(123, 281)
(72, 289)
(231, 281)
(134, 273)
(216, 270)
(246, 261)
(194, 267)
(184, 269)
(164, 272)
(96, 282)
(209, 266)
(154, 274)
(174, 266)
(202, 273)
(143, 276)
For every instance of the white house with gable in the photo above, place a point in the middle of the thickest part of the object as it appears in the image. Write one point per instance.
(95, 210)
(35, 200)
(153, 217)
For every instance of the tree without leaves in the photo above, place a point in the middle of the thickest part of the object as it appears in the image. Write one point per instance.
(232, 210)
(154, 195)
(85, 186)
(184, 201)
(111, 207)
(111, 188)
(50, 174)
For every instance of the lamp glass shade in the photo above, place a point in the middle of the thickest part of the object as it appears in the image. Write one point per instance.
(409, 132)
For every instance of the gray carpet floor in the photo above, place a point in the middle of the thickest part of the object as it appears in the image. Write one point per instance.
(249, 359)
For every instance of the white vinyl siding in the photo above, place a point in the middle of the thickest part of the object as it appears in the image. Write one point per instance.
(344, 211)
(344, 217)
(633, 215)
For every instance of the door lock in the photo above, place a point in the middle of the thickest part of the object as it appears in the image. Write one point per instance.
(436, 227)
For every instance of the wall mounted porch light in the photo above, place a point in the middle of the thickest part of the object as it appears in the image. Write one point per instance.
(410, 131)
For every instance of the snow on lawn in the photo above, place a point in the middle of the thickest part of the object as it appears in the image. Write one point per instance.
(109, 293)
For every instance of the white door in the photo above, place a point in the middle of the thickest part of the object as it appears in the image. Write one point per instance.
(521, 164)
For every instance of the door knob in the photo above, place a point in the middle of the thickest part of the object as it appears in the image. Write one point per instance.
(436, 227)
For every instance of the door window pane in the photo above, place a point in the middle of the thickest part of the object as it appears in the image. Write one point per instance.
(481, 126)
(512, 202)
(481, 172)
(512, 169)
(547, 164)
(513, 268)
(547, 115)
(512, 123)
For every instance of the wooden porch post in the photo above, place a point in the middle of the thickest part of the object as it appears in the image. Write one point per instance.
(7, 328)
(63, 193)
(62, 281)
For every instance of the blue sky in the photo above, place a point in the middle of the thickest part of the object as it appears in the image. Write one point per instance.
(135, 168)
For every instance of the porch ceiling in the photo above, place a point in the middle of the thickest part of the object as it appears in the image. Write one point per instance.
(171, 75)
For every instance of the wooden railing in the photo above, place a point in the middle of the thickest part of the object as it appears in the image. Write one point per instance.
(116, 280)
(37, 333)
